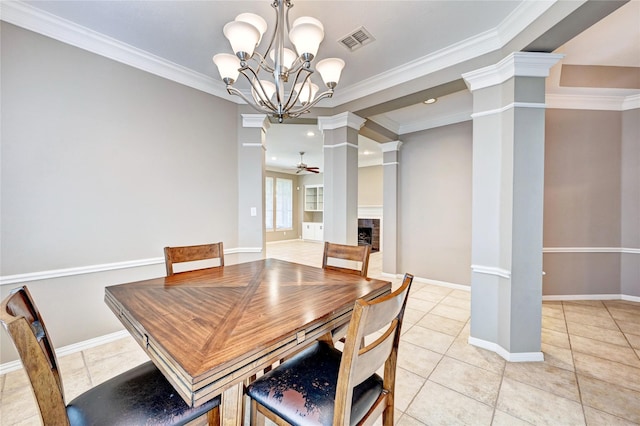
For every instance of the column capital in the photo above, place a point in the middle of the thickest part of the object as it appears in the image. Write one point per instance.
(345, 119)
(517, 64)
(391, 146)
(255, 120)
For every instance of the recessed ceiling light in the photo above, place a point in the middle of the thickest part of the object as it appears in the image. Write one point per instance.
(431, 101)
(310, 133)
(274, 158)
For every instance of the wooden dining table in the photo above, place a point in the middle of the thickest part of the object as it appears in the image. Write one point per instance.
(209, 330)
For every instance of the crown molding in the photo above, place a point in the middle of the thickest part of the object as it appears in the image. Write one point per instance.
(256, 120)
(432, 123)
(489, 41)
(517, 64)
(33, 19)
(592, 102)
(390, 146)
(344, 119)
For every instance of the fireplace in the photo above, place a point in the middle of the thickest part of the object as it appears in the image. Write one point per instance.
(369, 233)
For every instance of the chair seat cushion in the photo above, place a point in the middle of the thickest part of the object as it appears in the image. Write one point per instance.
(140, 396)
(302, 390)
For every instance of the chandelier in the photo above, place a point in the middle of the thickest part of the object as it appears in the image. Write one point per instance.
(288, 91)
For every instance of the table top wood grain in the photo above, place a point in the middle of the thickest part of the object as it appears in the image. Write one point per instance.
(210, 329)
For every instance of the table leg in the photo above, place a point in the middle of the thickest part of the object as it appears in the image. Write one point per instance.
(232, 406)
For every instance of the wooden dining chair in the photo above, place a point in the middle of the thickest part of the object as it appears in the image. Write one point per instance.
(346, 252)
(191, 254)
(140, 396)
(323, 386)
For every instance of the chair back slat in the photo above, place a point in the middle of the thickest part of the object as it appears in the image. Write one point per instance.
(358, 363)
(373, 356)
(192, 254)
(345, 254)
(381, 314)
(20, 317)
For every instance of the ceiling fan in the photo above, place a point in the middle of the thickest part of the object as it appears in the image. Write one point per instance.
(303, 167)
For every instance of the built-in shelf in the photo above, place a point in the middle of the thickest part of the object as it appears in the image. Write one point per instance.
(314, 198)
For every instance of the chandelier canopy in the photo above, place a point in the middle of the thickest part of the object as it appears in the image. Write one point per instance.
(289, 90)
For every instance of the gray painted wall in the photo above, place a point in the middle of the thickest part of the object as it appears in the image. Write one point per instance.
(630, 203)
(370, 186)
(583, 201)
(435, 204)
(102, 163)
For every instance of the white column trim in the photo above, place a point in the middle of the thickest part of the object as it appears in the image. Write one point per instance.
(509, 356)
(491, 270)
(345, 119)
(255, 120)
(520, 64)
(392, 163)
(350, 145)
(391, 146)
(256, 145)
(508, 107)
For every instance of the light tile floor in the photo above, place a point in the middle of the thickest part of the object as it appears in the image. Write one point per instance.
(591, 372)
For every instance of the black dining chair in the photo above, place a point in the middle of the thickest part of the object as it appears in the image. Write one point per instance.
(140, 396)
(324, 386)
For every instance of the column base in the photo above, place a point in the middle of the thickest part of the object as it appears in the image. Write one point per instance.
(511, 357)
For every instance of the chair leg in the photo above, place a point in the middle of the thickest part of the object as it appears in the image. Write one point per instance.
(255, 418)
(213, 417)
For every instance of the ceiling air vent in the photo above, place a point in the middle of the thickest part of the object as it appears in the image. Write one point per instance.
(356, 39)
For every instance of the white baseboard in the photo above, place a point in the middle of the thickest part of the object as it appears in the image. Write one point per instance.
(509, 356)
(569, 297)
(70, 349)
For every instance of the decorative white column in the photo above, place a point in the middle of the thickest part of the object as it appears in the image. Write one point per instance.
(391, 171)
(251, 177)
(341, 177)
(508, 178)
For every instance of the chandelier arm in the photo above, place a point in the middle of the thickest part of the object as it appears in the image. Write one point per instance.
(305, 108)
(262, 63)
(233, 91)
(266, 102)
(293, 99)
(297, 65)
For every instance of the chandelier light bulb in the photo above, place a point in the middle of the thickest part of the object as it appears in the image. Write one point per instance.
(307, 92)
(256, 20)
(243, 38)
(256, 92)
(330, 70)
(308, 20)
(288, 58)
(228, 66)
(306, 37)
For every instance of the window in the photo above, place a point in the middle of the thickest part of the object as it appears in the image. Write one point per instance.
(279, 204)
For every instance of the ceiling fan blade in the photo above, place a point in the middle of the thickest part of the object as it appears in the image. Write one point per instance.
(313, 169)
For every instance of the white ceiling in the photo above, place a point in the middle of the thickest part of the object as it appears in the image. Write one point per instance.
(416, 42)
